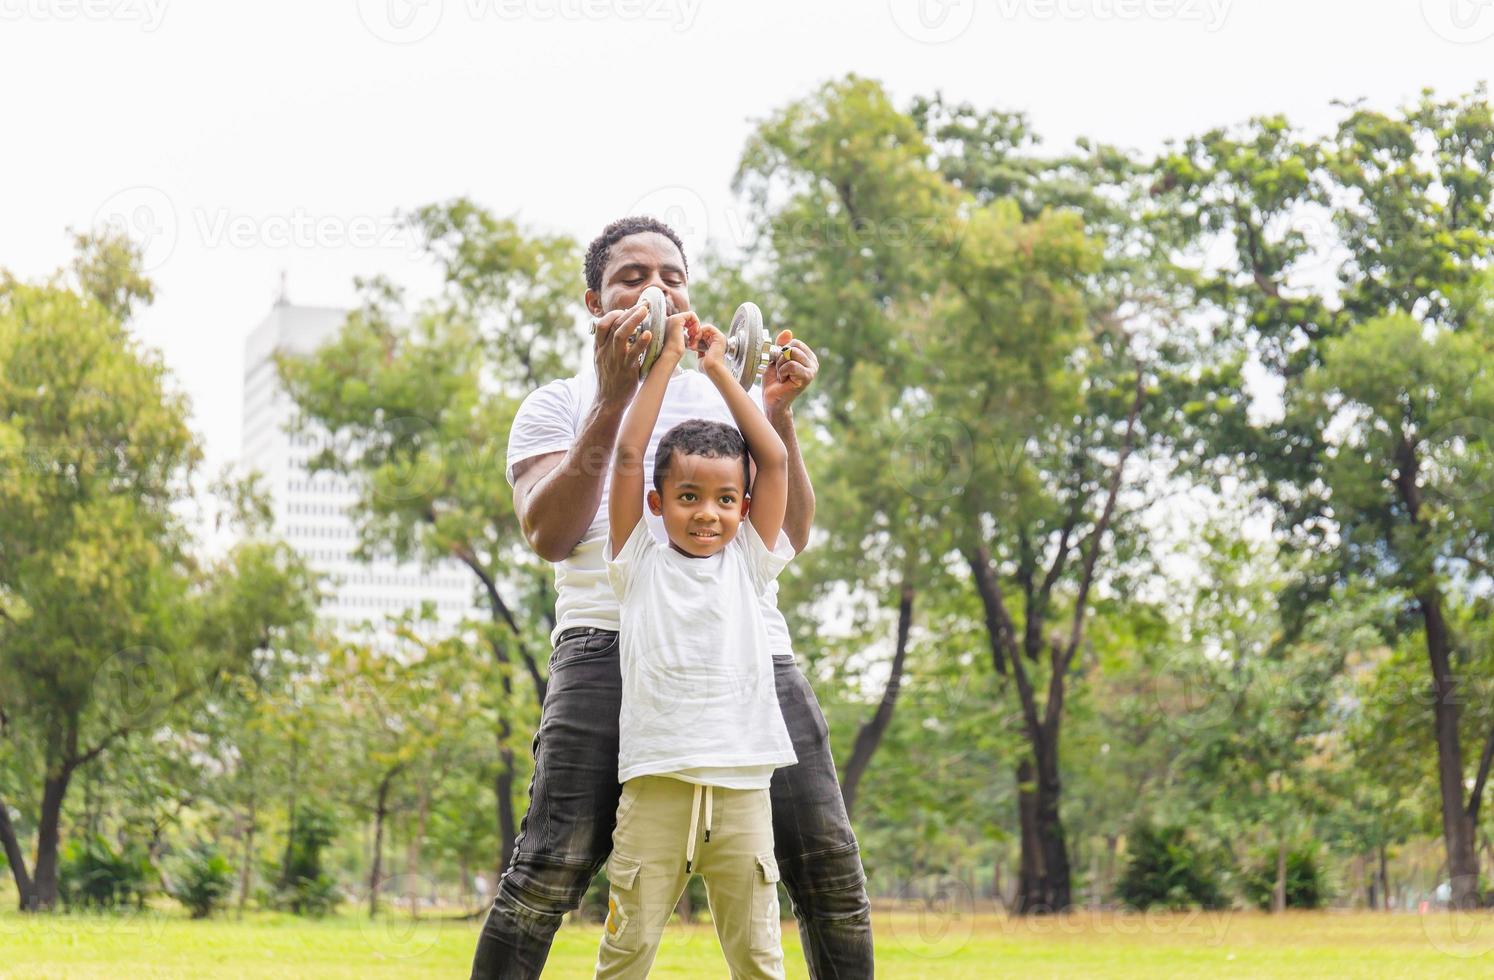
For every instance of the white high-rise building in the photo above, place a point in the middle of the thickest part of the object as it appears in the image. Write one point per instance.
(311, 511)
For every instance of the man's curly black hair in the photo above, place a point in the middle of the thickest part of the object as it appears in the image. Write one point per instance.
(700, 437)
(600, 249)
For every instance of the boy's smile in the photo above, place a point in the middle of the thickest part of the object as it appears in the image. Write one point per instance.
(703, 503)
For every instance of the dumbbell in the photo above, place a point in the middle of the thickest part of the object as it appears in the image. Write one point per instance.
(749, 348)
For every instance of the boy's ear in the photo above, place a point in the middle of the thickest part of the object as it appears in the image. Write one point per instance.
(746, 503)
(655, 503)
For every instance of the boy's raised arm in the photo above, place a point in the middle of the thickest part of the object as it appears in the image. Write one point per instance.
(625, 501)
(769, 488)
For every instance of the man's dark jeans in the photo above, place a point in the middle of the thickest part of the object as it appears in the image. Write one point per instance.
(566, 836)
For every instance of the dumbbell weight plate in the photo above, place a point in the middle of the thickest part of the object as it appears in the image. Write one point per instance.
(746, 345)
(654, 296)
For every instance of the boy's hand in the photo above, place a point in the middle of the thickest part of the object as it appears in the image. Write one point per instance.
(674, 339)
(710, 344)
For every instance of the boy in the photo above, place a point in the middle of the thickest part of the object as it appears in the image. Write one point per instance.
(700, 721)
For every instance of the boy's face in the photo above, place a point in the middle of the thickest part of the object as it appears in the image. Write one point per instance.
(703, 503)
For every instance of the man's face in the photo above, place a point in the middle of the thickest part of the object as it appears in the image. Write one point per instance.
(703, 503)
(636, 263)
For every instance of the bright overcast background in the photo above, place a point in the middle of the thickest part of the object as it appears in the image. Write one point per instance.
(242, 139)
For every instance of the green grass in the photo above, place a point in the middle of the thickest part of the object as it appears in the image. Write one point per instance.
(910, 946)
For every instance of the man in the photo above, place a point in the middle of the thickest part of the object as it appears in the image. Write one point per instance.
(559, 455)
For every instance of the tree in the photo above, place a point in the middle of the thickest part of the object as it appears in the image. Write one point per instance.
(1005, 339)
(106, 618)
(414, 405)
(1383, 371)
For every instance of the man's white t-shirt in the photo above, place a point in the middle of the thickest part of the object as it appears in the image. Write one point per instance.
(549, 421)
(698, 697)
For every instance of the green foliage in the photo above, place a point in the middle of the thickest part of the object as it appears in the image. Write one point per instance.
(94, 875)
(1166, 869)
(1305, 887)
(203, 878)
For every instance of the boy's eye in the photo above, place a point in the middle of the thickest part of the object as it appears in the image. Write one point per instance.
(727, 499)
(687, 496)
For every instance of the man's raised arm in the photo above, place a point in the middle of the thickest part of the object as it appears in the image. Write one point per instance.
(556, 495)
(786, 378)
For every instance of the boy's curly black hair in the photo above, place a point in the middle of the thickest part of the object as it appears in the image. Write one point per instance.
(600, 248)
(700, 437)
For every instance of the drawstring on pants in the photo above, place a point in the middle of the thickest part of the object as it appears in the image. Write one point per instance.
(695, 822)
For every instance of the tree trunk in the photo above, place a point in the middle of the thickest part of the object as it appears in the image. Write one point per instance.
(246, 869)
(1384, 879)
(1457, 827)
(869, 735)
(25, 888)
(1112, 841)
(412, 850)
(290, 823)
(1043, 882)
(1279, 891)
(48, 838)
(375, 874)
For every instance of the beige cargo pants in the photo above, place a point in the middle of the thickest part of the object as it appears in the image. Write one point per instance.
(667, 830)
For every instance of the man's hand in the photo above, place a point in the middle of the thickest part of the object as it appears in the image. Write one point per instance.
(617, 361)
(788, 374)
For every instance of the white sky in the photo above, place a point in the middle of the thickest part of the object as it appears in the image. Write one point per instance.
(254, 137)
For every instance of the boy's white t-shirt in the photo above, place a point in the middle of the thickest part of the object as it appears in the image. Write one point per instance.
(698, 696)
(549, 421)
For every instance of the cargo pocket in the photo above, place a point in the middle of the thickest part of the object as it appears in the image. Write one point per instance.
(765, 926)
(622, 929)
